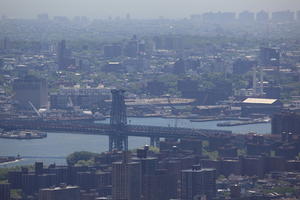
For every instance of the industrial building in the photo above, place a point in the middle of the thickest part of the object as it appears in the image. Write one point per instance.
(260, 106)
(82, 97)
(30, 91)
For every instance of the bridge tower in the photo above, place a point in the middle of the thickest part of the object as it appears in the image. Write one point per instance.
(118, 115)
(118, 121)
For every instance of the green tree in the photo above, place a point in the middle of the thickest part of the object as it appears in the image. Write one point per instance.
(81, 156)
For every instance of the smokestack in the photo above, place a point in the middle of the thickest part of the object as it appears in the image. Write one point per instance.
(254, 79)
(261, 81)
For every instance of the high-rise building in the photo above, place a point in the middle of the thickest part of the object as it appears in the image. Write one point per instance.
(286, 122)
(126, 180)
(269, 56)
(246, 16)
(29, 183)
(15, 179)
(86, 180)
(148, 167)
(197, 182)
(158, 43)
(46, 180)
(1, 63)
(179, 67)
(219, 17)
(262, 16)
(5, 43)
(60, 193)
(5, 191)
(30, 91)
(131, 48)
(242, 66)
(63, 55)
(283, 16)
(111, 51)
(39, 168)
(253, 166)
(43, 17)
(159, 186)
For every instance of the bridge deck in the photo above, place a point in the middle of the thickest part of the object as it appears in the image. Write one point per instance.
(107, 129)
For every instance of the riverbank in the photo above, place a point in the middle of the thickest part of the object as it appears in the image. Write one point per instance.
(62, 144)
(9, 160)
(247, 122)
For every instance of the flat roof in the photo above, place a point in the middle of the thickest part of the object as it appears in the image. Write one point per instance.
(60, 188)
(260, 100)
(158, 101)
(211, 107)
(199, 170)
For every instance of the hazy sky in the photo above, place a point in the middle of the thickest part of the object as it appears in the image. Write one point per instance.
(136, 8)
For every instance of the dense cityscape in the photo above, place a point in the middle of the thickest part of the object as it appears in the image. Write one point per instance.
(92, 77)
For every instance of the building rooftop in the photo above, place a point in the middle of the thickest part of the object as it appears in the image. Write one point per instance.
(260, 100)
(199, 170)
(60, 188)
(158, 101)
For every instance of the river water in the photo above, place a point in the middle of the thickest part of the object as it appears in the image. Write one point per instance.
(57, 146)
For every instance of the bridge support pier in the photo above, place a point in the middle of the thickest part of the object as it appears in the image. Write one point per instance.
(118, 142)
(154, 141)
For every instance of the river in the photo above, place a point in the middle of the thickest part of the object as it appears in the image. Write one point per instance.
(57, 146)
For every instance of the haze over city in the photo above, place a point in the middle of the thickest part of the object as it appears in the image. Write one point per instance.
(149, 99)
(137, 8)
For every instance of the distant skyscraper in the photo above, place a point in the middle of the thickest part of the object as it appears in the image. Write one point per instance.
(39, 168)
(197, 182)
(128, 16)
(283, 16)
(298, 15)
(179, 67)
(262, 16)
(228, 17)
(158, 43)
(111, 51)
(1, 63)
(43, 17)
(126, 181)
(219, 17)
(269, 56)
(131, 48)
(246, 16)
(31, 90)
(63, 55)
(5, 43)
(286, 122)
(242, 66)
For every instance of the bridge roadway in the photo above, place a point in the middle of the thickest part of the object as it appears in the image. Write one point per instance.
(116, 135)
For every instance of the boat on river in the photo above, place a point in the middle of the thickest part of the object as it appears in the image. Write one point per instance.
(239, 123)
(22, 134)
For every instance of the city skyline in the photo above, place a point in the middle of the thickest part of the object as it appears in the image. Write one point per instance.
(136, 8)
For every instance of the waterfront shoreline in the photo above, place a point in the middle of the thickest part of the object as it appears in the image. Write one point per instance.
(10, 162)
(63, 143)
